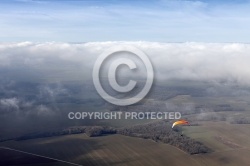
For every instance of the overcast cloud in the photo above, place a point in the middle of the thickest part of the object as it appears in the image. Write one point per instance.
(182, 61)
(41, 81)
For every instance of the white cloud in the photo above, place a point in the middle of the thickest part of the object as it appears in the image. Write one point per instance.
(10, 103)
(213, 62)
(43, 110)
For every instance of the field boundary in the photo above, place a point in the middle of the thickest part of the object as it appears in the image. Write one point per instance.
(37, 155)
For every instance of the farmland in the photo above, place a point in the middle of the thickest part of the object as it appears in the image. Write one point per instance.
(123, 150)
(220, 122)
(106, 150)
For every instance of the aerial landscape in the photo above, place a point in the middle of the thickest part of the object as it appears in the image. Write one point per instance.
(141, 83)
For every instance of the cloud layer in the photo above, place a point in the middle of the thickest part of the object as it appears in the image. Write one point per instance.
(211, 62)
(41, 82)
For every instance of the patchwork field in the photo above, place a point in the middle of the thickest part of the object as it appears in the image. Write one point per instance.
(230, 143)
(106, 150)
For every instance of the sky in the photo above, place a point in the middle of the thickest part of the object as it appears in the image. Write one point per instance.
(113, 20)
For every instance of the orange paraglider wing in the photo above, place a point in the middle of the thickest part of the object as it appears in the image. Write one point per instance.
(179, 122)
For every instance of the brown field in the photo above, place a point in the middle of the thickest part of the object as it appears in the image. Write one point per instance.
(106, 150)
(230, 142)
(122, 150)
(9, 157)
